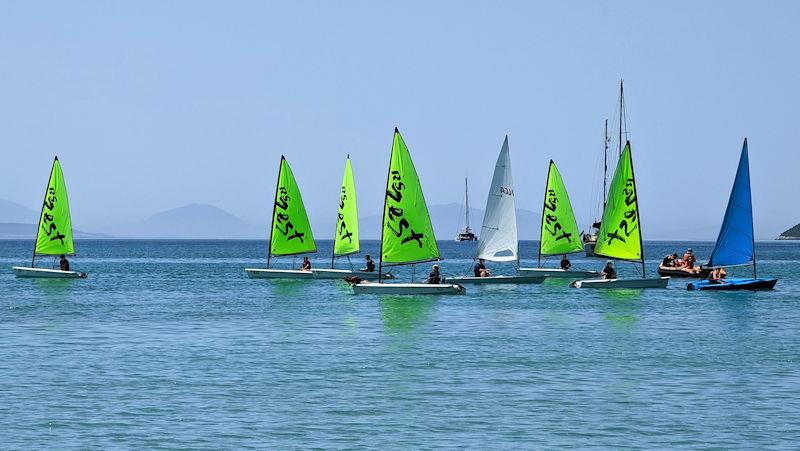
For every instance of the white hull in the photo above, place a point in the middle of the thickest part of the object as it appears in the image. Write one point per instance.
(498, 279)
(258, 273)
(342, 273)
(660, 282)
(407, 288)
(22, 271)
(557, 273)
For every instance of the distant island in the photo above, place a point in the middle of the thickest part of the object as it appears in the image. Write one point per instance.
(791, 234)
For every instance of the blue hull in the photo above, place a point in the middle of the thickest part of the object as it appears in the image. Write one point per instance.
(734, 284)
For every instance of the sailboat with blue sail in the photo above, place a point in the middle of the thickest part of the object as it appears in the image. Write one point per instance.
(735, 244)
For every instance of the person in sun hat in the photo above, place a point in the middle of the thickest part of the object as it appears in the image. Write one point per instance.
(689, 259)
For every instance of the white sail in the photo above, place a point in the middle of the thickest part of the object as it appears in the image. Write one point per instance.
(498, 240)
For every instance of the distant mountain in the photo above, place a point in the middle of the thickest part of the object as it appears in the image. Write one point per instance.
(447, 220)
(12, 212)
(791, 234)
(20, 231)
(193, 221)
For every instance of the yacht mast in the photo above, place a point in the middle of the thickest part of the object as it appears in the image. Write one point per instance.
(466, 200)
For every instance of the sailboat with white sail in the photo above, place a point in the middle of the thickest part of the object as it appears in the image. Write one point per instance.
(407, 236)
(735, 244)
(290, 231)
(559, 230)
(466, 234)
(620, 234)
(346, 241)
(54, 234)
(499, 241)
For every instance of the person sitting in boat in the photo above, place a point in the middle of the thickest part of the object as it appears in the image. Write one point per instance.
(565, 263)
(689, 259)
(64, 263)
(370, 267)
(718, 275)
(480, 269)
(306, 264)
(669, 260)
(609, 272)
(434, 277)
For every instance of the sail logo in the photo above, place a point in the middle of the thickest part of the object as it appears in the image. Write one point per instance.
(395, 222)
(49, 226)
(506, 190)
(629, 223)
(342, 229)
(551, 219)
(283, 223)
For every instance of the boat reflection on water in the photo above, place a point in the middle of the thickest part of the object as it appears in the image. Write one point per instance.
(622, 308)
(402, 314)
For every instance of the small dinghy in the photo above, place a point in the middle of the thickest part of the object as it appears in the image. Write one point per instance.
(54, 235)
(694, 273)
(735, 244)
(406, 233)
(558, 231)
(620, 235)
(24, 271)
(290, 233)
(499, 229)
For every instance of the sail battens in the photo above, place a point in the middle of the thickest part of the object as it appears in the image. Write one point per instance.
(407, 235)
(499, 229)
(291, 231)
(619, 236)
(54, 234)
(559, 229)
(346, 241)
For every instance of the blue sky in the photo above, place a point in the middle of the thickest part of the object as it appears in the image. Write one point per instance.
(152, 105)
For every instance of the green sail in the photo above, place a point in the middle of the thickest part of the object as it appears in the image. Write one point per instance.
(559, 233)
(407, 230)
(54, 236)
(291, 231)
(346, 241)
(620, 232)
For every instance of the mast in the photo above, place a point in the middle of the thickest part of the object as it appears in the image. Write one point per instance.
(466, 197)
(752, 227)
(383, 212)
(38, 226)
(605, 165)
(274, 206)
(638, 211)
(621, 118)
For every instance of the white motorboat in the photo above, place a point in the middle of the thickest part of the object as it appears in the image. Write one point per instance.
(556, 273)
(657, 282)
(391, 288)
(24, 271)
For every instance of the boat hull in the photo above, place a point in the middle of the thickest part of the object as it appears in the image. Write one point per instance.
(660, 282)
(258, 273)
(696, 273)
(492, 280)
(42, 273)
(733, 284)
(407, 288)
(555, 273)
(344, 273)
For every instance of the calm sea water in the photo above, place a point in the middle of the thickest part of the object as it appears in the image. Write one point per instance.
(167, 344)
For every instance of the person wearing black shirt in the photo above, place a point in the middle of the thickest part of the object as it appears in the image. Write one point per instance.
(370, 264)
(565, 263)
(609, 272)
(64, 263)
(480, 269)
(434, 277)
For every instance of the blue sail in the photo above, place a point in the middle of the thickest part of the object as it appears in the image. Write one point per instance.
(735, 241)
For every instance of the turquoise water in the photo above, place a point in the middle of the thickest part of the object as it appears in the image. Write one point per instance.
(167, 344)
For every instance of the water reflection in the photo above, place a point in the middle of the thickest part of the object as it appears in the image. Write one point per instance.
(403, 314)
(622, 308)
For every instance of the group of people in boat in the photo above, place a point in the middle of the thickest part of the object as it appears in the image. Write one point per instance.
(686, 263)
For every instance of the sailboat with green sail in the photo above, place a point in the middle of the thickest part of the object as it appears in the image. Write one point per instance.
(290, 232)
(499, 241)
(407, 236)
(346, 242)
(620, 234)
(559, 230)
(54, 234)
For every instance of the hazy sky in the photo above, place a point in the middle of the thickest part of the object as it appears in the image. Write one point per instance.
(152, 105)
